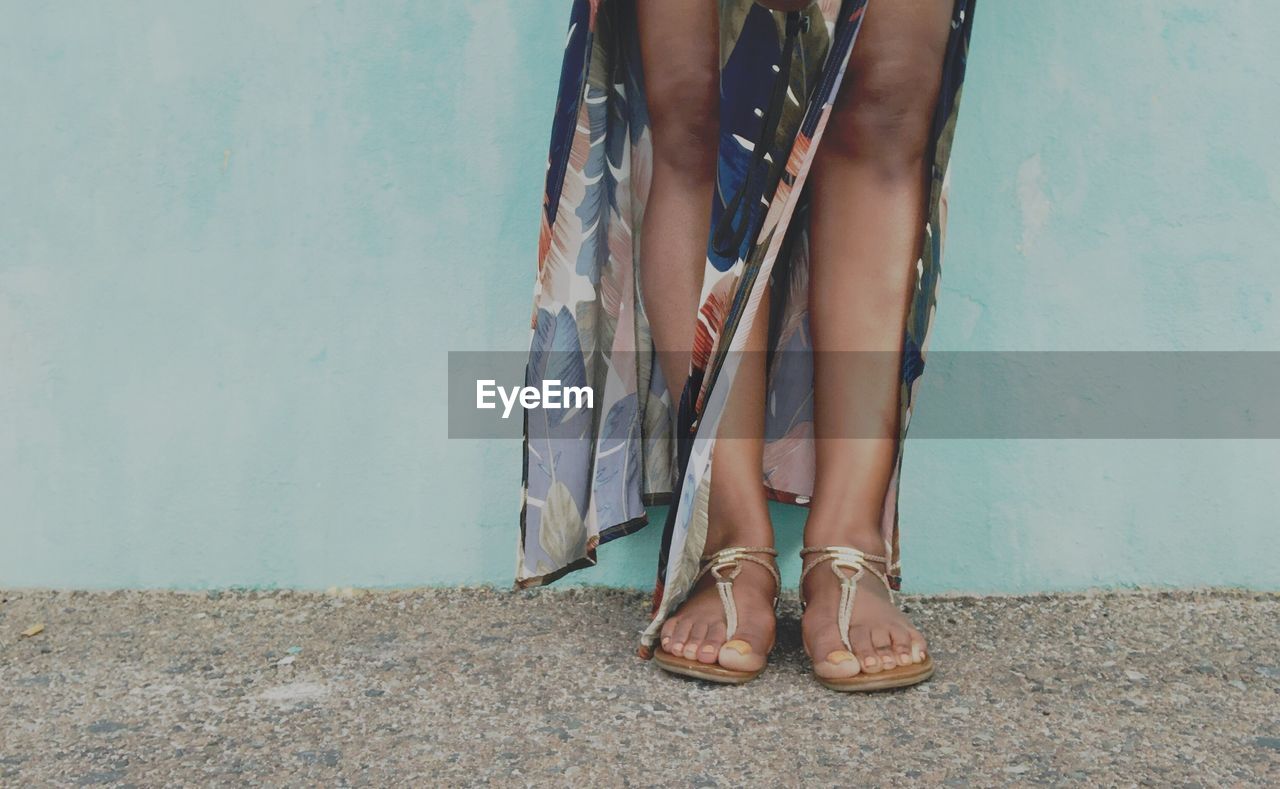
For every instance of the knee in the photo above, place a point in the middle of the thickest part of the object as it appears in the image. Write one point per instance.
(884, 118)
(683, 119)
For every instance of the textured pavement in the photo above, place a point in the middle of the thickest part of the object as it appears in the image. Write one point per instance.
(457, 687)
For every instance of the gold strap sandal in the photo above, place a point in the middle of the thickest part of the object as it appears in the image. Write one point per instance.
(850, 565)
(730, 560)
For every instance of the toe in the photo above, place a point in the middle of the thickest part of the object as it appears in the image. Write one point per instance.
(883, 643)
(668, 628)
(709, 652)
(919, 649)
(746, 651)
(860, 637)
(696, 635)
(831, 659)
(838, 663)
(901, 645)
(679, 635)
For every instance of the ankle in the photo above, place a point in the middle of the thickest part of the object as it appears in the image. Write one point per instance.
(738, 539)
(745, 527)
(864, 537)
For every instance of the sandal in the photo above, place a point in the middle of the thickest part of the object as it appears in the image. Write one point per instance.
(727, 559)
(859, 564)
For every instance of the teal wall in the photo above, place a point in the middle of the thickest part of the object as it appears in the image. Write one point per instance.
(237, 240)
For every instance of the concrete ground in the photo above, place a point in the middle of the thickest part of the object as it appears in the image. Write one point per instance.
(453, 687)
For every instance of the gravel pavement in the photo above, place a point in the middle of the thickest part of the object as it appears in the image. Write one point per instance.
(466, 686)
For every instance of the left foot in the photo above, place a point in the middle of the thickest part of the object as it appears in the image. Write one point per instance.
(881, 635)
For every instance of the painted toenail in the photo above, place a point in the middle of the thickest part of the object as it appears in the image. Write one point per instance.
(840, 656)
(917, 654)
(739, 646)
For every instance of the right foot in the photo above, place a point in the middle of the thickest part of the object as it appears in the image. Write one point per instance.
(697, 630)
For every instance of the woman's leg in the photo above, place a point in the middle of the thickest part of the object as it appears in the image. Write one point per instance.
(867, 222)
(738, 515)
(679, 46)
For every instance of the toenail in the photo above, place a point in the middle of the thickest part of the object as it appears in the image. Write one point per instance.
(739, 646)
(871, 661)
(708, 648)
(840, 656)
(917, 654)
(677, 647)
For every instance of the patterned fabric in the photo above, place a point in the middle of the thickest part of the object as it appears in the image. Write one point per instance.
(590, 473)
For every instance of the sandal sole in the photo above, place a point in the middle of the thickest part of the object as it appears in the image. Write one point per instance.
(711, 672)
(898, 677)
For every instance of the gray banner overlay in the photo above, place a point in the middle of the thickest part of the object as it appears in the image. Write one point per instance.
(963, 394)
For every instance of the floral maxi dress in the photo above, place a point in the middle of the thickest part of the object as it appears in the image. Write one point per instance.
(589, 473)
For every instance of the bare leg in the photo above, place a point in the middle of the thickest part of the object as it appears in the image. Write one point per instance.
(867, 222)
(679, 43)
(679, 47)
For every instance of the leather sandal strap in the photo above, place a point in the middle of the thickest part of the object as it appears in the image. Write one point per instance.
(857, 563)
(731, 559)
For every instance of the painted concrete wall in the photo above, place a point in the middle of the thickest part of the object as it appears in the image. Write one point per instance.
(237, 240)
